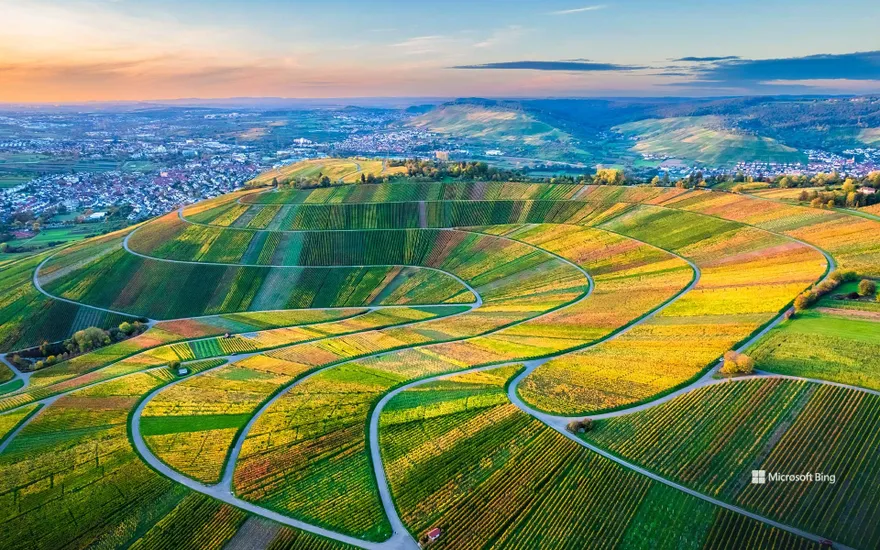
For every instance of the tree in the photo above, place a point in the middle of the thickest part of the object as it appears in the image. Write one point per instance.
(852, 199)
(736, 363)
(126, 328)
(90, 338)
(867, 287)
(580, 426)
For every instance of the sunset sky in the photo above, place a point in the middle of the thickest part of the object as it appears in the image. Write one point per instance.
(72, 50)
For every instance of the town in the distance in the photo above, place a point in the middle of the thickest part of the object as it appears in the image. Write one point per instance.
(73, 171)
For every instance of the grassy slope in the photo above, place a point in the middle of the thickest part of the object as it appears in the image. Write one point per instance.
(819, 345)
(514, 131)
(704, 139)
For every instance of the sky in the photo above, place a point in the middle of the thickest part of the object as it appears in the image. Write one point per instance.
(124, 50)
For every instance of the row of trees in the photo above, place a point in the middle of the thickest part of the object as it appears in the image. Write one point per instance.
(82, 341)
(430, 170)
(822, 179)
(848, 195)
(867, 288)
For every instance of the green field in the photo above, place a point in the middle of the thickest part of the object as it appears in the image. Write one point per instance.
(826, 346)
(313, 353)
(12, 180)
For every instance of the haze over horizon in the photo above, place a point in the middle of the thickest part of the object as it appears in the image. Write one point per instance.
(106, 50)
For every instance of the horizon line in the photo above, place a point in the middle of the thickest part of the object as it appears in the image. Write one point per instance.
(342, 99)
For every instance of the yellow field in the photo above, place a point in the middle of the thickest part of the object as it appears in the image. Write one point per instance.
(338, 170)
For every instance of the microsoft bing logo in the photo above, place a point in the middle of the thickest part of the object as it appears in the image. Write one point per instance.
(759, 477)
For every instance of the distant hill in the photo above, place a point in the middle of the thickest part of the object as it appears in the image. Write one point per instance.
(706, 139)
(495, 124)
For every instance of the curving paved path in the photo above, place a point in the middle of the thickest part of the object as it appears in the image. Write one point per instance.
(373, 427)
(401, 538)
(19, 374)
(559, 423)
(398, 541)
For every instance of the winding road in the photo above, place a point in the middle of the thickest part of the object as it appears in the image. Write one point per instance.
(401, 538)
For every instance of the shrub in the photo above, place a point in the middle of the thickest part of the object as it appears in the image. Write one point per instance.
(580, 426)
(843, 276)
(89, 339)
(867, 287)
(736, 363)
(804, 300)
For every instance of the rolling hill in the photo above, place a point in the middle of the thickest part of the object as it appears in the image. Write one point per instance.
(368, 366)
(498, 125)
(705, 139)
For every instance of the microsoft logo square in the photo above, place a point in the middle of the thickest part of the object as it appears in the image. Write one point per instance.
(759, 477)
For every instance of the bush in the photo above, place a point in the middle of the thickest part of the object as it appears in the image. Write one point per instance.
(867, 287)
(843, 276)
(580, 426)
(736, 363)
(89, 339)
(804, 300)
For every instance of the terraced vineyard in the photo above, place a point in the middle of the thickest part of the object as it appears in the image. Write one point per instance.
(377, 365)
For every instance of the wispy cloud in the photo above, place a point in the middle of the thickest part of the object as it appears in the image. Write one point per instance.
(501, 36)
(692, 59)
(568, 66)
(579, 10)
(422, 44)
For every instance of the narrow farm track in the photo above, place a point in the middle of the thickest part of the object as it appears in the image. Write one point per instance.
(399, 541)
(399, 531)
(401, 538)
(19, 374)
(559, 423)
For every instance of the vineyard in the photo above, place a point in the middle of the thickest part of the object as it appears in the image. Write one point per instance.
(461, 365)
(459, 456)
(774, 425)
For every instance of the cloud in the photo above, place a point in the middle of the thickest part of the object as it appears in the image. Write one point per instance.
(422, 44)
(502, 36)
(569, 66)
(578, 10)
(850, 66)
(706, 59)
